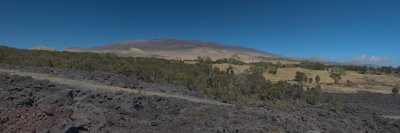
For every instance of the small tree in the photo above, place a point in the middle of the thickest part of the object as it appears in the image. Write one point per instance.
(300, 77)
(273, 70)
(336, 74)
(310, 80)
(317, 79)
(336, 77)
(395, 90)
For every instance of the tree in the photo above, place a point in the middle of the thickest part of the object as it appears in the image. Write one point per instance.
(204, 60)
(336, 74)
(300, 77)
(258, 68)
(317, 79)
(386, 70)
(273, 70)
(235, 59)
(312, 65)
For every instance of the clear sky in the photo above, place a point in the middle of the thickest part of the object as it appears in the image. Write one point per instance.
(342, 30)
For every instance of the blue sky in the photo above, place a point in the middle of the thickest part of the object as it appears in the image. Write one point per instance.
(343, 30)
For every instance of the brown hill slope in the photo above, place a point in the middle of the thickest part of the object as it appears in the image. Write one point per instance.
(179, 49)
(40, 47)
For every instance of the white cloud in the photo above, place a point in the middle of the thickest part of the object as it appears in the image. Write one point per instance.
(370, 59)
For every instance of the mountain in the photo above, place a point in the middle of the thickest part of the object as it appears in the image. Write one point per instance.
(40, 47)
(179, 49)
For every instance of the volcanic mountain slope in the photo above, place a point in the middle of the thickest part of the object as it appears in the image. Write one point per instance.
(179, 49)
(40, 47)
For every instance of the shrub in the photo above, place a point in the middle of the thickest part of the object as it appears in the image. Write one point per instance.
(336, 74)
(317, 79)
(310, 80)
(312, 95)
(273, 70)
(300, 77)
(312, 65)
(334, 103)
(395, 90)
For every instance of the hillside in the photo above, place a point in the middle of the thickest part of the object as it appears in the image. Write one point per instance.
(40, 47)
(180, 49)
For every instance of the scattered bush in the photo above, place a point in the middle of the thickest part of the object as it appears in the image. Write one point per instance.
(312, 95)
(312, 65)
(336, 74)
(349, 83)
(317, 79)
(204, 60)
(202, 77)
(334, 103)
(395, 90)
(300, 77)
(273, 70)
(310, 80)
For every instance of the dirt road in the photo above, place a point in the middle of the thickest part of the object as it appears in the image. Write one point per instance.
(94, 85)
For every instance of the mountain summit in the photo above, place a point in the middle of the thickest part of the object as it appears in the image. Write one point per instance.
(178, 49)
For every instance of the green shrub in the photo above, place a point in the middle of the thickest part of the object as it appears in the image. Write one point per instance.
(336, 74)
(317, 79)
(334, 103)
(312, 95)
(273, 70)
(300, 77)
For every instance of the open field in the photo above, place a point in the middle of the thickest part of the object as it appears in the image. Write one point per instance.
(359, 82)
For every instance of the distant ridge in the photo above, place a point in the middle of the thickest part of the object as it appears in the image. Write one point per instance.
(179, 49)
(41, 47)
(174, 44)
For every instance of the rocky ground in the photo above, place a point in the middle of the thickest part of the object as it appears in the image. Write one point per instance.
(30, 105)
(109, 79)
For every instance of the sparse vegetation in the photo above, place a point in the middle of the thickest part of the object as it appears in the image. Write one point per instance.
(336, 74)
(334, 103)
(204, 60)
(312, 65)
(202, 77)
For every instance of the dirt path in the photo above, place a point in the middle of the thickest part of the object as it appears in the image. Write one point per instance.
(93, 85)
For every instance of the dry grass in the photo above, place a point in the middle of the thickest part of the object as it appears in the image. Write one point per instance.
(361, 82)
